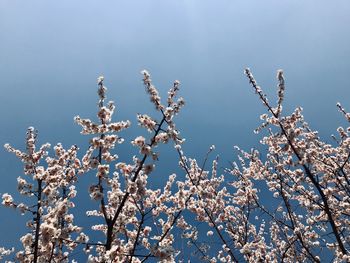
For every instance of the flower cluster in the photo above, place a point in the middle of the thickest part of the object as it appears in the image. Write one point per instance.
(52, 188)
(290, 205)
(5, 252)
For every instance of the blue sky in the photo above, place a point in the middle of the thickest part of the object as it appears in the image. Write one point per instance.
(51, 53)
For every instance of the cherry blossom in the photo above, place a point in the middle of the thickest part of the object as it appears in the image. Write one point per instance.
(290, 202)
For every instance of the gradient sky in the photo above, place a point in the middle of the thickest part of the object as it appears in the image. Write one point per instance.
(51, 53)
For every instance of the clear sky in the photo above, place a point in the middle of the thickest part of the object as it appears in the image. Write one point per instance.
(51, 53)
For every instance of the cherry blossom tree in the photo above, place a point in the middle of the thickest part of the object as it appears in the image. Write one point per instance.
(289, 205)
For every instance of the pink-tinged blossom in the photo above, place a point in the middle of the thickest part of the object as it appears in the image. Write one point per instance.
(162, 137)
(7, 200)
(147, 122)
(139, 141)
(151, 90)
